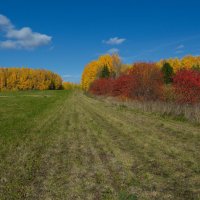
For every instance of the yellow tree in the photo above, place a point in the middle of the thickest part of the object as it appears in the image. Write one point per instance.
(12, 78)
(188, 62)
(174, 63)
(106, 60)
(3, 78)
(93, 69)
(117, 64)
(27, 79)
(89, 74)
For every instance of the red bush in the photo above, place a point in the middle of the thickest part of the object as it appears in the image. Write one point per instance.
(101, 86)
(148, 81)
(187, 86)
(123, 86)
(143, 82)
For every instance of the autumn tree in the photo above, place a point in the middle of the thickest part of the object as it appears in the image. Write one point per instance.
(148, 81)
(89, 74)
(187, 62)
(93, 70)
(28, 79)
(117, 65)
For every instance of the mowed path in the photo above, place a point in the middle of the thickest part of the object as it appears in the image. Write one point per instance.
(88, 149)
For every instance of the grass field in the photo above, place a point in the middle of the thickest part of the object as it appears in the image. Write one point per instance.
(64, 145)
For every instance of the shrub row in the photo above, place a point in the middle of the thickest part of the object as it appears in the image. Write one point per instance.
(145, 81)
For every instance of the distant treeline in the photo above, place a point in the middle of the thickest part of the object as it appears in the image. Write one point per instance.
(29, 79)
(70, 86)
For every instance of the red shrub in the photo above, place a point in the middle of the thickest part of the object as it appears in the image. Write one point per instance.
(123, 86)
(143, 82)
(148, 81)
(101, 86)
(187, 86)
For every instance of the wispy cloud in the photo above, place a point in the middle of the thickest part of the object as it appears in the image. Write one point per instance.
(23, 38)
(181, 46)
(113, 51)
(179, 51)
(170, 45)
(114, 41)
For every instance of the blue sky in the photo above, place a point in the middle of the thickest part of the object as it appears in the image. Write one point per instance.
(64, 36)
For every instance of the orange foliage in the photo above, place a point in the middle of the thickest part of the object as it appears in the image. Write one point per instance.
(148, 81)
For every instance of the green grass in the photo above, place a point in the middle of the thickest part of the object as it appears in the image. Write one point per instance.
(65, 145)
(19, 110)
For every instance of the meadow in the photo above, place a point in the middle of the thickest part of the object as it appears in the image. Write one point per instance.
(99, 100)
(67, 145)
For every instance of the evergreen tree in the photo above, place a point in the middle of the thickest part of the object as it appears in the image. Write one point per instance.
(105, 73)
(168, 72)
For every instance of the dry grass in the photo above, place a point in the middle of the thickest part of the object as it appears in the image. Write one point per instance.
(178, 111)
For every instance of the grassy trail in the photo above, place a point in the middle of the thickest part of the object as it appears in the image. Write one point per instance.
(70, 146)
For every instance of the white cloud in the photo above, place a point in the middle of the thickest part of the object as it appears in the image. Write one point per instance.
(23, 38)
(8, 44)
(113, 51)
(114, 41)
(181, 46)
(5, 23)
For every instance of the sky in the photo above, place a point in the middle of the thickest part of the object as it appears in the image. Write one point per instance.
(63, 36)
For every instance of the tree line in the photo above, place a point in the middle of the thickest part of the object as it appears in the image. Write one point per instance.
(29, 79)
(167, 80)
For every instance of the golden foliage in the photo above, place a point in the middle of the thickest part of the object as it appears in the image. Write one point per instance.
(28, 79)
(187, 62)
(93, 69)
(89, 74)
